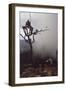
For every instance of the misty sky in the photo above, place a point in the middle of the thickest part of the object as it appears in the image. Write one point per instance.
(46, 42)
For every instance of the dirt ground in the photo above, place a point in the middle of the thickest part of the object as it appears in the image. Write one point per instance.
(40, 71)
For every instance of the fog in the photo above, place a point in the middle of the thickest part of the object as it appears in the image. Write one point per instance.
(46, 43)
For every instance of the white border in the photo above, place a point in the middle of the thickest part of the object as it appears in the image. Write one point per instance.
(19, 80)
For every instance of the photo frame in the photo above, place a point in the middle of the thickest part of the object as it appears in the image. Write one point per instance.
(36, 44)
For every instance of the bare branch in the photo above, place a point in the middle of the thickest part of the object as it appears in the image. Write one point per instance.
(37, 31)
(23, 37)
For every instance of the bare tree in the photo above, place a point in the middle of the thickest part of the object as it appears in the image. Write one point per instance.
(28, 30)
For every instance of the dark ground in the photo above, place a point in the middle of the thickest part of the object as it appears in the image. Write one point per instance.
(39, 68)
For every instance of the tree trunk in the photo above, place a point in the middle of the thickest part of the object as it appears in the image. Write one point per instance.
(30, 44)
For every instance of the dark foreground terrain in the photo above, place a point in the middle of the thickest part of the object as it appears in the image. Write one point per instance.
(41, 70)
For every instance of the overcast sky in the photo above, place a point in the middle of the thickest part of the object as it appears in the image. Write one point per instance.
(45, 42)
